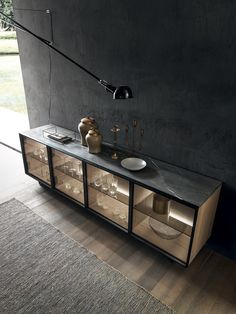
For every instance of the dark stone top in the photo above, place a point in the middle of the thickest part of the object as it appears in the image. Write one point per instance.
(180, 184)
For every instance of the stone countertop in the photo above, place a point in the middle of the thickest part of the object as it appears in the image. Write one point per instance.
(180, 184)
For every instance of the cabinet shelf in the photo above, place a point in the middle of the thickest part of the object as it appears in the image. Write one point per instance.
(38, 169)
(177, 247)
(180, 217)
(122, 198)
(59, 169)
(109, 207)
(73, 192)
(43, 160)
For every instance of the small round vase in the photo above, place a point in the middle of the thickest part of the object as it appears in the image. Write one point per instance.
(84, 126)
(94, 141)
(161, 205)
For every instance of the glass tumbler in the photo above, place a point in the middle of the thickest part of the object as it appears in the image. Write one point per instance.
(113, 187)
(105, 184)
(79, 171)
(100, 199)
(65, 165)
(98, 181)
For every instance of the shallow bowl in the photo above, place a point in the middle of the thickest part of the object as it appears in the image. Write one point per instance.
(133, 164)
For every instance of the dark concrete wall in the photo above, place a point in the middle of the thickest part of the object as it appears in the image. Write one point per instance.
(179, 57)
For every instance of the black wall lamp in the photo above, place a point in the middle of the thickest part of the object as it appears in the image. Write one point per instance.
(120, 92)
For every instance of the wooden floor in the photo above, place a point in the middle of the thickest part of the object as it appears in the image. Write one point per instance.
(207, 286)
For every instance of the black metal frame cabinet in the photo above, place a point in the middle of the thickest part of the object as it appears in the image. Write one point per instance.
(131, 201)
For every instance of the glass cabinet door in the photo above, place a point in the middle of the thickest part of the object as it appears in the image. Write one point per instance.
(37, 160)
(162, 222)
(108, 195)
(68, 174)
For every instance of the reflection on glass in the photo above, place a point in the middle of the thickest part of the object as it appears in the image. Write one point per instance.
(79, 171)
(122, 216)
(36, 152)
(100, 199)
(72, 171)
(68, 186)
(41, 154)
(116, 212)
(113, 187)
(76, 191)
(105, 184)
(46, 174)
(42, 172)
(98, 181)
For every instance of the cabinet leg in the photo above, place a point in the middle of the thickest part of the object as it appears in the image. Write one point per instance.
(42, 185)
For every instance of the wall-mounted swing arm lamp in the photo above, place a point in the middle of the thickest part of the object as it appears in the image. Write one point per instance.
(120, 92)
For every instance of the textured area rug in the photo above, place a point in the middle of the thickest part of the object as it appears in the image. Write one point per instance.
(44, 271)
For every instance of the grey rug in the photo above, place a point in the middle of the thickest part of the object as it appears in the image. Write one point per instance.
(44, 271)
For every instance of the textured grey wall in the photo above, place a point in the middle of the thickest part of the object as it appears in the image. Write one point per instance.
(179, 57)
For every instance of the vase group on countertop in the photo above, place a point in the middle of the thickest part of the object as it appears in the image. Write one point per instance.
(86, 124)
(90, 135)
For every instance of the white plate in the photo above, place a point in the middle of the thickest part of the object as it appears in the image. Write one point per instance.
(163, 230)
(133, 164)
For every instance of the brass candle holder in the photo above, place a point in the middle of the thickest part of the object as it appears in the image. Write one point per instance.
(135, 123)
(141, 134)
(115, 131)
(127, 136)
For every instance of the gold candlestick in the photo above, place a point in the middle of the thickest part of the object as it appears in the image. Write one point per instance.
(115, 130)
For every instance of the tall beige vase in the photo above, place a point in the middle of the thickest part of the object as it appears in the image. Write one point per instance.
(94, 141)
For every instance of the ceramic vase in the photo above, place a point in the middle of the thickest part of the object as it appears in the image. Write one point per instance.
(85, 125)
(94, 141)
(161, 205)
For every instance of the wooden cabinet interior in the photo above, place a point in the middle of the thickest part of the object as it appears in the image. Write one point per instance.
(178, 227)
(171, 231)
(37, 160)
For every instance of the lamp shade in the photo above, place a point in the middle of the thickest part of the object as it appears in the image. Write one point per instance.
(122, 92)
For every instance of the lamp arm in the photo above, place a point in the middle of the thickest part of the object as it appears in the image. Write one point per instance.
(49, 44)
(121, 92)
